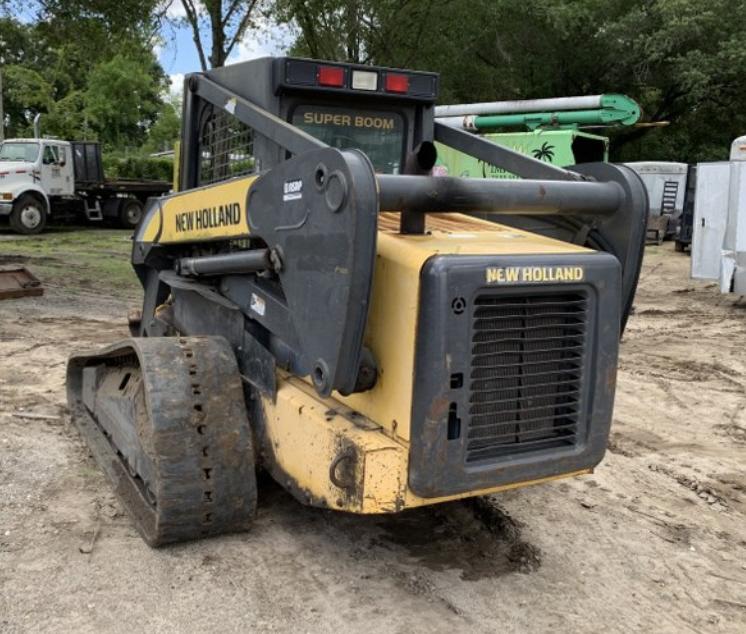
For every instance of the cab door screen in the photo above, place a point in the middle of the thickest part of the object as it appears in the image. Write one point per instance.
(377, 133)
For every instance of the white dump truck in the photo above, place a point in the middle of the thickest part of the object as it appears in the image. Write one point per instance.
(42, 178)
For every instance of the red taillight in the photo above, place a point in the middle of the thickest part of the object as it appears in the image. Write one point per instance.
(397, 83)
(331, 76)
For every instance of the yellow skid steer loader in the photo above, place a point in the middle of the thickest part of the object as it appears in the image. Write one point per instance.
(319, 306)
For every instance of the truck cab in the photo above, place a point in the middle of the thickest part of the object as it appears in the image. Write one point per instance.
(32, 171)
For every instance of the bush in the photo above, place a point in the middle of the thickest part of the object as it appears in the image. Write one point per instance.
(138, 167)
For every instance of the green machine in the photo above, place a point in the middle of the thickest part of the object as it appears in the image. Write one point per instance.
(551, 130)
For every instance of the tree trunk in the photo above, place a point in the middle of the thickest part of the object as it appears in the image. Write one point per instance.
(215, 10)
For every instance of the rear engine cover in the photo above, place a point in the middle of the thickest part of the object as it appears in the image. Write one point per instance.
(515, 369)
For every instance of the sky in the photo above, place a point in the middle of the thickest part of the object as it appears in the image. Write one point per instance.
(178, 54)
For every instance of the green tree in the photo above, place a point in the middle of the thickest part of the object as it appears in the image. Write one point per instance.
(122, 100)
(683, 60)
(217, 26)
(166, 130)
(360, 31)
(67, 118)
(25, 93)
(86, 65)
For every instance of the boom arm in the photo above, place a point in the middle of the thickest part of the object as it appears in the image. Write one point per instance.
(564, 112)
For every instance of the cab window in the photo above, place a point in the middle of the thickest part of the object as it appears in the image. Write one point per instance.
(50, 156)
(378, 133)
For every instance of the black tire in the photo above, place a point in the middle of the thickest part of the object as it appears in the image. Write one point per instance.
(130, 213)
(679, 246)
(29, 215)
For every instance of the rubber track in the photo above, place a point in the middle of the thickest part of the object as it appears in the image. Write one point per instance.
(194, 433)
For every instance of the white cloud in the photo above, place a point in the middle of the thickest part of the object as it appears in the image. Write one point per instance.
(175, 10)
(176, 89)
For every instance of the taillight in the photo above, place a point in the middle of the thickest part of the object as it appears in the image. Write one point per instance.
(397, 83)
(331, 76)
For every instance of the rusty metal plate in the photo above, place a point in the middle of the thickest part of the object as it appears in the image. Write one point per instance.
(18, 282)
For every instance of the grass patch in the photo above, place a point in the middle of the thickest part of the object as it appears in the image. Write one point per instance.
(76, 258)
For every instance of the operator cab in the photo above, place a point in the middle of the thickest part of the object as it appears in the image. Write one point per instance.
(381, 111)
(371, 109)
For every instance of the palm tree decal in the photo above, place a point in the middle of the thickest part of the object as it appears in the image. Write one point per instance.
(544, 153)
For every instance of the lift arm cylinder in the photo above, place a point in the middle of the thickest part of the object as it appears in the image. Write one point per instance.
(227, 263)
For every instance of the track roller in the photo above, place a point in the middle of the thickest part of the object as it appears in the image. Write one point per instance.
(165, 418)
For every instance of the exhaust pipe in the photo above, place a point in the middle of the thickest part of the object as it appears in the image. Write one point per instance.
(37, 126)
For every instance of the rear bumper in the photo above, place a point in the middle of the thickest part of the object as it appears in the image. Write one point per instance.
(5, 209)
(329, 456)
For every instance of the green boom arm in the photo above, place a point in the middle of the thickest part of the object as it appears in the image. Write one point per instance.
(608, 110)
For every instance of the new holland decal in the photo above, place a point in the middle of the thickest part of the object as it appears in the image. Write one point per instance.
(208, 218)
(526, 274)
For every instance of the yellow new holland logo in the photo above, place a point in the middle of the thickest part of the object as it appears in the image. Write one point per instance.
(524, 274)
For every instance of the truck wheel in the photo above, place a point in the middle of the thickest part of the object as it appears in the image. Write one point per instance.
(130, 213)
(29, 215)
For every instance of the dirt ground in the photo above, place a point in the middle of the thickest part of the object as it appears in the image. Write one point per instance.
(655, 540)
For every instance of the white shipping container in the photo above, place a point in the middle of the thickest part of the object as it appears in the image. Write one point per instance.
(710, 219)
(719, 231)
(733, 262)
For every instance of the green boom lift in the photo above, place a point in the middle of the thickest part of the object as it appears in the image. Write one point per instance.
(551, 130)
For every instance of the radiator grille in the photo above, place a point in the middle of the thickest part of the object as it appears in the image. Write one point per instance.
(526, 373)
